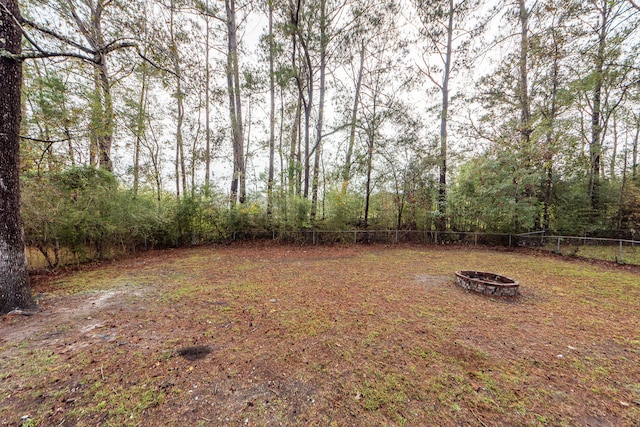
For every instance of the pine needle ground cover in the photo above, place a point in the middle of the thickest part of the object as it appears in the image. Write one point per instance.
(358, 335)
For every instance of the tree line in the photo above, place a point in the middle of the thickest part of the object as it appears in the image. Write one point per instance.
(170, 121)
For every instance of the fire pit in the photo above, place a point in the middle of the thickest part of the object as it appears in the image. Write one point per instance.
(487, 283)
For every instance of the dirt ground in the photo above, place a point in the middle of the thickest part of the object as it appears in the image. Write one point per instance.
(254, 335)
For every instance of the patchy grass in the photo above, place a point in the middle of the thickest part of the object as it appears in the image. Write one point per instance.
(630, 254)
(325, 336)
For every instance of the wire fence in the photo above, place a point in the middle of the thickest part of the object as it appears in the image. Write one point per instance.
(623, 251)
(322, 237)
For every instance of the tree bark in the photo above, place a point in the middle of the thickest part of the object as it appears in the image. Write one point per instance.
(207, 109)
(140, 128)
(105, 133)
(614, 151)
(444, 116)
(549, 149)
(14, 280)
(272, 113)
(100, 148)
(294, 153)
(367, 191)
(525, 109)
(320, 122)
(634, 155)
(622, 187)
(307, 102)
(595, 147)
(180, 166)
(346, 171)
(371, 135)
(235, 106)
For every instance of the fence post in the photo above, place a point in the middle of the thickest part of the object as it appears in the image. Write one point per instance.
(396, 236)
(509, 240)
(559, 245)
(620, 261)
(313, 237)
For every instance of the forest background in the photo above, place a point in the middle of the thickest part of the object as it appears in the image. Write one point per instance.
(167, 122)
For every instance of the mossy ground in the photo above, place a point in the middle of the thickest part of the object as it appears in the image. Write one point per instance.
(355, 335)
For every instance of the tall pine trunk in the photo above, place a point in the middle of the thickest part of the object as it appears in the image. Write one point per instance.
(346, 171)
(207, 109)
(634, 155)
(105, 133)
(595, 146)
(14, 280)
(235, 106)
(320, 122)
(180, 167)
(549, 140)
(272, 113)
(444, 116)
(294, 153)
(140, 129)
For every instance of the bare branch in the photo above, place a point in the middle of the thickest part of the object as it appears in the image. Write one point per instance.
(47, 54)
(55, 36)
(428, 73)
(153, 64)
(48, 141)
(634, 4)
(116, 46)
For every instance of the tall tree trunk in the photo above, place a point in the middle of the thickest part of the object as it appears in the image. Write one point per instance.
(103, 121)
(294, 153)
(549, 142)
(105, 133)
(43, 125)
(194, 156)
(207, 108)
(525, 111)
(272, 113)
(320, 122)
(14, 280)
(96, 120)
(595, 146)
(235, 106)
(308, 101)
(280, 146)
(179, 134)
(444, 116)
(70, 153)
(634, 155)
(307, 126)
(140, 129)
(100, 150)
(180, 167)
(400, 211)
(346, 171)
(177, 173)
(622, 186)
(614, 151)
(371, 134)
(367, 194)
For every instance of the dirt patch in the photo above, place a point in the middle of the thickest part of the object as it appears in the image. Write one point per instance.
(60, 316)
(260, 335)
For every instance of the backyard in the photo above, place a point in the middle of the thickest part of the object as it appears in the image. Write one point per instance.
(267, 335)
